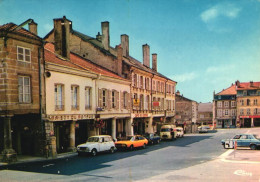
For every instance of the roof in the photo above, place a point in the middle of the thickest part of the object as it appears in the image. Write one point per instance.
(205, 107)
(76, 62)
(130, 60)
(248, 86)
(10, 27)
(229, 91)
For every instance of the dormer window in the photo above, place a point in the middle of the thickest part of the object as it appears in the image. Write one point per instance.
(23, 54)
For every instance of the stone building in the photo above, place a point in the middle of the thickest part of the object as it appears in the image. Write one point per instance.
(248, 103)
(205, 114)
(186, 113)
(225, 108)
(89, 99)
(152, 94)
(21, 94)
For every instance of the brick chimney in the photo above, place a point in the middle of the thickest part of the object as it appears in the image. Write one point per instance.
(154, 58)
(62, 27)
(119, 59)
(125, 44)
(238, 83)
(251, 83)
(33, 27)
(146, 55)
(105, 35)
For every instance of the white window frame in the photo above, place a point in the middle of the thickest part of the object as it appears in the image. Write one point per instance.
(59, 96)
(88, 100)
(226, 112)
(74, 97)
(24, 90)
(233, 103)
(219, 112)
(226, 104)
(23, 54)
(219, 104)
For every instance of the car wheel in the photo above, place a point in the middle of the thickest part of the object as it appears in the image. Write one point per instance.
(112, 150)
(253, 147)
(93, 152)
(131, 147)
(144, 146)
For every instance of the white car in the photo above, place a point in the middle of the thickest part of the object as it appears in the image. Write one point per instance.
(203, 129)
(180, 132)
(97, 144)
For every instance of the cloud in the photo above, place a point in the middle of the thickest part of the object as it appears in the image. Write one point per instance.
(221, 10)
(220, 70)
(184, 77)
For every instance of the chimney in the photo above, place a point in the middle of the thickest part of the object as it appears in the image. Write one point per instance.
(105, 35)
(178, 92)
(154, 58)
(62, 27)
(251, 83)
(33, 27)
(238, 83)
(125, 44)
(146, 55)
(119, 59)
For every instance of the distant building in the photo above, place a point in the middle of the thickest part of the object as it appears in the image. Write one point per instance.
(248, 103)
(225, 108)
(205, 113)
(186, 112)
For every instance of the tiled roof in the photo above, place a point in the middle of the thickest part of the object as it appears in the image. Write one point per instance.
(10, 27)
(130, 60)
(229, 91)
(248, 86)
(205, 107)
(77, 62)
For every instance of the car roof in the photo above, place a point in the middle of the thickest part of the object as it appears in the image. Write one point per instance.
(101, 136)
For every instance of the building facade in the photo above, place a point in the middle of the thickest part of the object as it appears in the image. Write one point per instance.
(248, 106)
(205, 114)
(152, 94)
(21, 93)
(225, 108)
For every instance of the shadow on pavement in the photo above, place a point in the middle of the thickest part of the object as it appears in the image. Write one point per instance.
(82, 164)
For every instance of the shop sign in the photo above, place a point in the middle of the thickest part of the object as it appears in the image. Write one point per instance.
(255, 116)
(141, 115)
(156, 104)
(136, 102)
(69, 117)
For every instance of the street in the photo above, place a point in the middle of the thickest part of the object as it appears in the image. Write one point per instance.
(196, 157)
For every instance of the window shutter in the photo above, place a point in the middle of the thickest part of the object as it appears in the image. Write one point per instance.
(128, 104)
(117, 100)
(108, 99)
(121, 100)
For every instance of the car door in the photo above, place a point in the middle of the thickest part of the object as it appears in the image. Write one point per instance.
(102, 146)
(244, 141)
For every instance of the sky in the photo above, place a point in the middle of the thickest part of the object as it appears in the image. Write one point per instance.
(204, 45)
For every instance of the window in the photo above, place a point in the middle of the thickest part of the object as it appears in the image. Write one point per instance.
(219, 103)
(201, 116)
(233, 112)
(24, 89)
(255, 111)
(125, 100)
(219, 112)
(226, 112)
(248, 112)
(241, 102)
(158, 86)
(23, 54)
(104, 98)
(244, 93)
(233, 103)
(59, 97)
(226, 104)
(241, 111)
(87, 98)
(255, 102)
(248, 102)
(147, 85)
(141, 102)
(162, 87)
(135, 80)
(74, 97)
(141, 82)
(154, 86)
(113, 99)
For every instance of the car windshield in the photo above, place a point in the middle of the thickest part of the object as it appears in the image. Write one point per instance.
(93, 139)
(126, 138)
(148, 135)
(165, 129)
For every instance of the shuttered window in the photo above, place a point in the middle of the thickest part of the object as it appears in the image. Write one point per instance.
(59, 97)
(24, 89)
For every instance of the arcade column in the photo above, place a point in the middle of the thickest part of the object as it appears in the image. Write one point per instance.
(72, 147)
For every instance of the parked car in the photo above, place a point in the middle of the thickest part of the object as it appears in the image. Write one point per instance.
(131, 142)
(168, 132)
(242, 140)
(180, 132)
(97, 144)
(152, 138)
(203, 129)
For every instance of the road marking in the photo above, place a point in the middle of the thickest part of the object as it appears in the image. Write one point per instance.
(225, 154)
(242, 173)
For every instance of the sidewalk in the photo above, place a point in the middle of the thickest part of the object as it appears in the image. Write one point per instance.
(26, 158)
